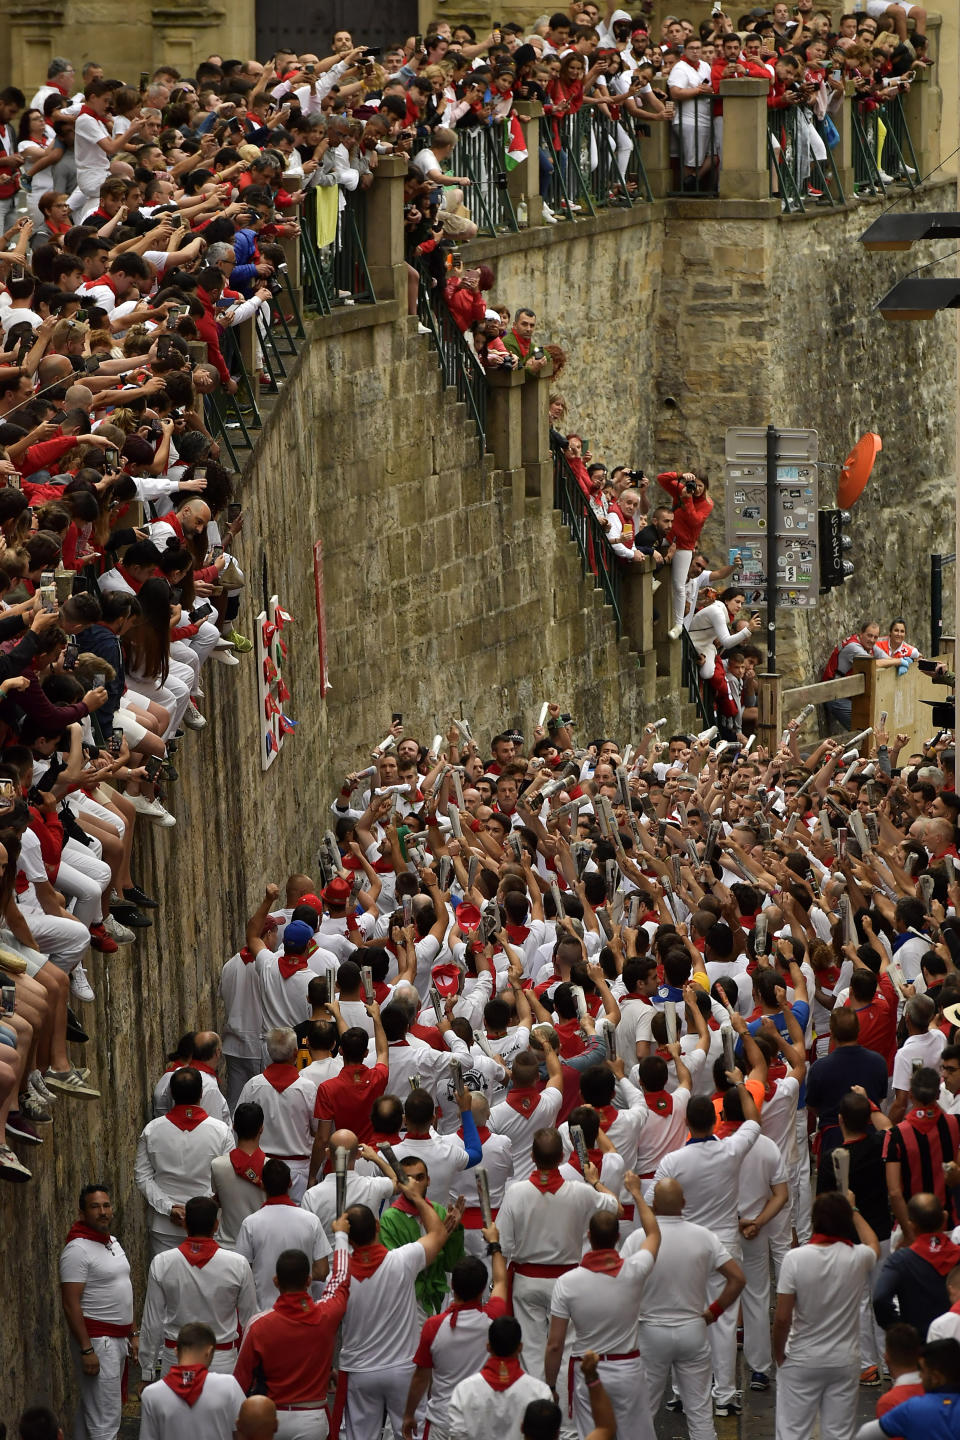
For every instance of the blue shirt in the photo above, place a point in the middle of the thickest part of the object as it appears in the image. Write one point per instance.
(801, 1013)
(925, 1417)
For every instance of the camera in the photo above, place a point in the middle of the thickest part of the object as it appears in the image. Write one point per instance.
(636, 475)
(690, 486)
(274, 286)
(537, 353)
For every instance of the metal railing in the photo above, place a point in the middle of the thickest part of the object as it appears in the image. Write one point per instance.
(866, 169)
(335, 274)
(607, 156)
(460, 366)
(797, 176)
(694, 148)
(481, 156)
(596, 555)
(568, 192)
(698, 692)
(898, 158)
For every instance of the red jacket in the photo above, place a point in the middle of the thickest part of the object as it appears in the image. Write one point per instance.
(465, 305)
(208, 330)
(689, 515)
(47, 452)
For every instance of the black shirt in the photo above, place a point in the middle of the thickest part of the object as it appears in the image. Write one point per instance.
(868, 1180)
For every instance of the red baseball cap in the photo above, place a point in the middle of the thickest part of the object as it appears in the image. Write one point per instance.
(446, 978)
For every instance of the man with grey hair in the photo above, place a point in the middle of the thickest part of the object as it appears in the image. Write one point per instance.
(224, 256)
(59, 80)
(287, 1102)
(922, 1046)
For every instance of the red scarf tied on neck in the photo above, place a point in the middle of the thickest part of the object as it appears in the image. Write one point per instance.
(248, 1166)
(80, 1230)
(501, 1373)
(186, 1382)
(548, 1182)
(924, 1119)
(247, 955)
(594, 1156)
(281, 1077)
(938, 1250)
(659, 1100)
(523, 1099)
(366, 1260)
(301, 1307)
(187, 1117)
(198, 1250)
(818, 1239)
(291, 964)
(602, 1262)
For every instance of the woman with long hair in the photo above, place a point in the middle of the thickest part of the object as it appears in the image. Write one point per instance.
(147, 654)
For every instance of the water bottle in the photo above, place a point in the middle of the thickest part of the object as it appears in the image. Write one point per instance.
(522, 212)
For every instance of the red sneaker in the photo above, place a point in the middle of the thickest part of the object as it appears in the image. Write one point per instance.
(101, 941)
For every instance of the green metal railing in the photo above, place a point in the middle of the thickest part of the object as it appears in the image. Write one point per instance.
(335, 274)
(797, 177)
(481, 157)
(461, 368)
(898, 158)
(698, 692)
(867, 179)
(596, 555)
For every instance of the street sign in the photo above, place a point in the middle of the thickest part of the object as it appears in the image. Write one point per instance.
(793, 522)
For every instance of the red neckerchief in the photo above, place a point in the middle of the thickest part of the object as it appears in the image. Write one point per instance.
(198, 1250)
(607, 1113)
(173, 520)
(187, 1117)
(299, 1306)
(279, 1200)
(366, 1260)
(406, 1207)
(923, 1119)
(393, 1140)
(85, 110)
(291, 965)
(459, 1306)
(482, 1132)
(524, 1099)
(135, 585)
(248, 1165)
(186, 1382)
(380, 991)
(726, 1127)
(938, 1250)
(548, 1182)
(659, 1100)
(829, 1240)
(204, 1068)
(281, 1077)
(247, 956)
(80, 1230)
(602, 1262)
(594, 1156)
(500, 1374)
(517, 933)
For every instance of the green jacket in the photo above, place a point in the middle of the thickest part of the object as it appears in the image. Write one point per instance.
(397, 1228)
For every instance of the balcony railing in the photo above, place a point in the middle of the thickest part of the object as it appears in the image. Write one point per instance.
(596, 554)
(694, 148)
(333, 265)
(802, 168)
(461, 368)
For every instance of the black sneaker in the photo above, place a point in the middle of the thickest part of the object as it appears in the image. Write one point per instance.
(75, 1030)
(128, 914)
(22, 1129)
(728, 1408)
(675, 1404)
(135, 896)
(759, 1381)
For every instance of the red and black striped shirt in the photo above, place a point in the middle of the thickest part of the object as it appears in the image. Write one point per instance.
(923, 1142)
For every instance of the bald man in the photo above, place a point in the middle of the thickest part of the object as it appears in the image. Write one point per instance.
(257, 1419)
(374, 1191)
(207, 1053)
(675, 1308)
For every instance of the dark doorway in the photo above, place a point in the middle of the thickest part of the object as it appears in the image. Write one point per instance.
(310, 24)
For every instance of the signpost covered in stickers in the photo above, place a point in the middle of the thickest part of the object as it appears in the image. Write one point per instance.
(271, 640)
(771, 512)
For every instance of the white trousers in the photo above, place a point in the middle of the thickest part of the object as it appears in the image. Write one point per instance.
(679, 570)
(800, 1182)
(871, 1334)
(369, 1393)
(173, 695)
(532, 1295)
(99, 1404)
(805, 1391)
(84, 879)
(722, 1334)
(684, 1348)
(61, 938)
(771, 1244)
(625, 1381)
(302, 1425)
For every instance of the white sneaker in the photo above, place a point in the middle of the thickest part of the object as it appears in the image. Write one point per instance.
(423, 329)
(654, 586)
(121, 933)
(676, 632)
(80, 986)
(35, 1081)
(548, 214)
(143, 806)
(224, 657)
(197, 694)
(11, 1168)
(887, 179)
(224, 644)
(193, 718)
(164, 817)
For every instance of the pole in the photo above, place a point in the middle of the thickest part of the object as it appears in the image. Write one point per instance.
(771, 549)
(936, 603)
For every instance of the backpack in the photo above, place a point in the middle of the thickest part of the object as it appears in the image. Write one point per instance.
(830, 669)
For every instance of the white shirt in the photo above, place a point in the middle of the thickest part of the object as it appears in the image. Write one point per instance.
(676, 1291)
(240, 997)
(164, 1416)
(497, 1160)
(321, 1200)
(604, 1309)
(548, 1229)
(926, 1048)
(827, 1283)
(708, 1171)
(380, 1327)
(455, 1352)
(417, 1058)
(264, 1235)
(92, 163)
(19, 316)
(220, 1294)
(237, 1197)
(761, 1169)
(173, 1165)
(945, 1327)
(687, 77)
(481, 1076)
(287, 1117)
(778, 1117)
(665, 1131)
(520, 1128)
(104, 1273)
(319, 1070)
(283, 1003)
(636, 1021)
(211, 1096)
(478, 1412)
